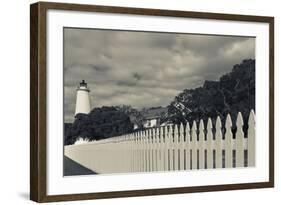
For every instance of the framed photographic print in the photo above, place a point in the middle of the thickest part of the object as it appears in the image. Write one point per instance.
(134, 102)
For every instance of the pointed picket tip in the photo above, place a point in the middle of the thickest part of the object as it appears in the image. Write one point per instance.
(166, 129)
(181, 128)
(144, 135)
(157, 131)
(176, 128)
(252, 120)
(228, 122)
(187, 132)
(170, 127)
(218, 123)
(161, 130)
(201, 125)
(239, 121)
(161, 135)
(156, 138)
(209, 124)
(170, 131)
(154, 131)
(187, 127)
(194, 126)
(149, 133)
(176, 134)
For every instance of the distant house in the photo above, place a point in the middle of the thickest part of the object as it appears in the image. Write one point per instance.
(152, 117)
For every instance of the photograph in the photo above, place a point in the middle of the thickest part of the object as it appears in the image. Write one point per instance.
(129, 101)
(147, 101)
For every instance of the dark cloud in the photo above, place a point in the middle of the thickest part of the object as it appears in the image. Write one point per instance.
(144, 69)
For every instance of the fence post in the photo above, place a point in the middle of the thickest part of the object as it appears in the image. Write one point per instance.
(228, 138)
(239, 141)
(251, 139)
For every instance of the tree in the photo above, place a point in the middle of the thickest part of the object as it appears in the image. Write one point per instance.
(136, 116)
(233, 93)
(100, 123)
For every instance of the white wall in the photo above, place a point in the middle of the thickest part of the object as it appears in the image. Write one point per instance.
(150, 123)
(14, 150)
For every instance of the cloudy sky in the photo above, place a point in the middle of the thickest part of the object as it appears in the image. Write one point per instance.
(144, 69)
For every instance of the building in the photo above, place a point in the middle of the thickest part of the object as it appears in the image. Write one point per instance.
(83, 104)
(152, 117)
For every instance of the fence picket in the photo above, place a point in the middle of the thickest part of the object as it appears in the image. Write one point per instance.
(166, 151)
(228, 142)
(137, 152)
(181, 147)
(157, 158)
(201, 145)
(170, 141)
(150, 149)
(176, 148)
(153, 148)
(209, 144)
(146, 151)
(187, 147)
(251, 139)
(218, 143)
(141, 151)
(172, 147)
(193, 148)
(162, 150)
(239, 141)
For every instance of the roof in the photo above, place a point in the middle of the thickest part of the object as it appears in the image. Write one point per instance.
(153, 113)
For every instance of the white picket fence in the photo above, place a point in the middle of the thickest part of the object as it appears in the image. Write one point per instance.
(171, 148)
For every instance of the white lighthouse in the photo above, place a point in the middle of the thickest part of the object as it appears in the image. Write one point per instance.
(82, 99)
